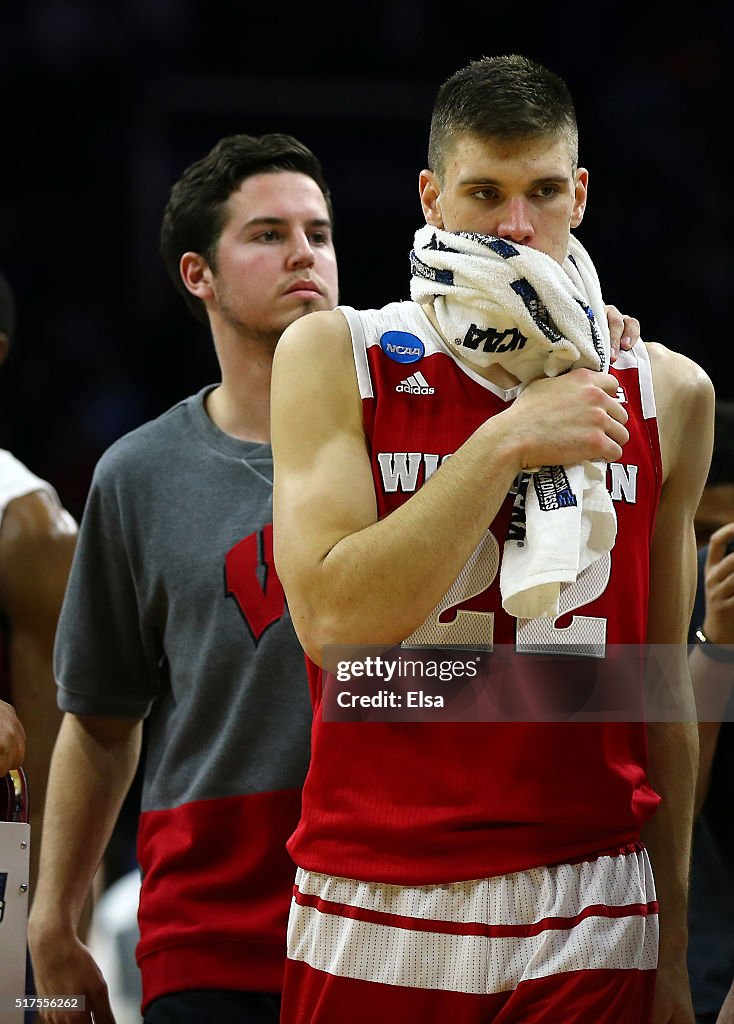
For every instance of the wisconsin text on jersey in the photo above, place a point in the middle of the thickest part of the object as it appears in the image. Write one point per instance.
(407, 471)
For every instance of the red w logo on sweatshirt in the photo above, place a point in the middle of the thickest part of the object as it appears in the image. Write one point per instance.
(250, 578)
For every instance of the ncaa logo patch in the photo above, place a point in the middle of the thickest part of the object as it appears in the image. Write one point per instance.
(402, 347)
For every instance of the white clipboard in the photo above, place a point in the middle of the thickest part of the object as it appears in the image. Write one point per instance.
(15, 848)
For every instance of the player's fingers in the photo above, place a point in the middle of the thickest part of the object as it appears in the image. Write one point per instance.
(12, 739)
(606, 382)
(618, 433)
(717, 545)
(612, 405)
(630, 332)
(615, 320)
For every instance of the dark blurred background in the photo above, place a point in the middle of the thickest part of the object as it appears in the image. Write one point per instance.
(105, 104)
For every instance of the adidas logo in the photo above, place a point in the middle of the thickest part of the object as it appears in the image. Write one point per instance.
(416, 384)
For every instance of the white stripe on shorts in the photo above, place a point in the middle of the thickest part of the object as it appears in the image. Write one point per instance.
(481, 936)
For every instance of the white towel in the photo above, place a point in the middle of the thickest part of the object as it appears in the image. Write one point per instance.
(497, 302)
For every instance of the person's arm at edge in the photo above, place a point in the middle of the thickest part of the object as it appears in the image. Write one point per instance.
(37, 541)
(93, 764)
(353, 579)
(713, 680)
(726, 1013)
(685, 400)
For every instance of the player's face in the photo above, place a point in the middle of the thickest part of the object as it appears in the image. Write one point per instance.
(525, 191)
(275, 258)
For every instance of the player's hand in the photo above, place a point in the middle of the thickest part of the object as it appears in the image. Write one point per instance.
(12, 739)
(624, 331)
(568, 419)
(719, 580)
(673, 993)
(673, 1003)
(68, 968)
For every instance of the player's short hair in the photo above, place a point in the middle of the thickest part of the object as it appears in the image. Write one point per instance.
(721, 470)
(508, 97)
(7, 308)
(194, 215)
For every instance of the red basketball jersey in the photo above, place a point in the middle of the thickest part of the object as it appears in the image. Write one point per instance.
(418, 803)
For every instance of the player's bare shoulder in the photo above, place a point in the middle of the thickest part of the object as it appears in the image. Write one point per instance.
(322, 333)
(34, 518)
(684, 400)
(37, 542)
(674, 372)
(314, 359)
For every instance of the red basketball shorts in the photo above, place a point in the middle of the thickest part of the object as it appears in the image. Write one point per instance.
(568, 944)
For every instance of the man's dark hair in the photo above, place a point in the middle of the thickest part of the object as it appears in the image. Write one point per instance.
(509, 98)
(195, 212)
(721, 470)
(7, 308)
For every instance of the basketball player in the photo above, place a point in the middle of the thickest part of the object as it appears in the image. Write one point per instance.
(37, 538)
(174, 614)
(484, 871)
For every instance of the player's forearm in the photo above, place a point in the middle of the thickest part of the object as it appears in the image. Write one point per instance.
(378, 584)
(91, 769)
(673, 764)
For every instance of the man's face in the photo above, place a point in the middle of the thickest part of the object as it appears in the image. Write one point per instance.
(524, 191)
(275, 257)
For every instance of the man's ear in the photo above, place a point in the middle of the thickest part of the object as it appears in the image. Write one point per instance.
(580, 193)
(196, 275)
(4, 347)
(430, 193)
